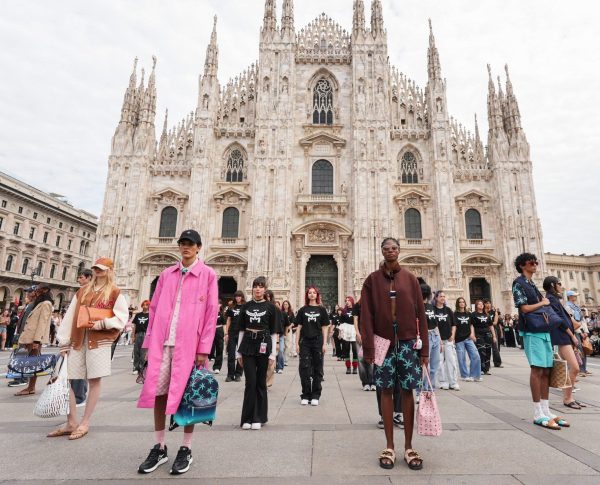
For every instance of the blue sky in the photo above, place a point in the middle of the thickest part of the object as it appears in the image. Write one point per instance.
(66, 65)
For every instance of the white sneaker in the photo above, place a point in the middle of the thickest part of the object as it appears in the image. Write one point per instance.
(479, 379)
(217, 371)
(373, 387)
(445, 387)
(81, 404)
(279, 371)
(468, 379)
(246, 426)
(455, 387)
(314, 402)
(256, 425)
(366, 387)
(304, 402)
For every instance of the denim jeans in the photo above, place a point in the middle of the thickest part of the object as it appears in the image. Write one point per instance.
(468, 347)
(448, 366)
(434, 359)
(281, 353)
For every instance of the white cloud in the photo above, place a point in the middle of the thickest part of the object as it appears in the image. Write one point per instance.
(66, 65)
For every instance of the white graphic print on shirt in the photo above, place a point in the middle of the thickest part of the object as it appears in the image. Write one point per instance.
(312, 317)
(255, 316)
(463, 320)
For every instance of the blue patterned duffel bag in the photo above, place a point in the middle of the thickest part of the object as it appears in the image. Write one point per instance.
(25, 365)
(199, 401)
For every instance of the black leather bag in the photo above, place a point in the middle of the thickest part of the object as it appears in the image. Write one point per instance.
(26, 365)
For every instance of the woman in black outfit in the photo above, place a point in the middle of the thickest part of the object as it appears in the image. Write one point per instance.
(350, 349)
(258, 341)
(484, 332)
(336, 321)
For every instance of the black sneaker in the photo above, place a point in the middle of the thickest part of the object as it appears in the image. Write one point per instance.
(238, 378)
(156, 458)
(229, 379)
(17, 383)
(182, 461)
(399, 420)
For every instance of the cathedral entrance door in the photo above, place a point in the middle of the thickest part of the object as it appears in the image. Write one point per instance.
(153, 287)
(322, 272)
(227, 287)
(479, 289)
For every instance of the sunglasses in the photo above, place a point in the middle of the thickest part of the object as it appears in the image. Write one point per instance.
(533, 263)
(258, 285)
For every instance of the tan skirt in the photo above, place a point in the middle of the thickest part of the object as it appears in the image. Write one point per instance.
(87, 363)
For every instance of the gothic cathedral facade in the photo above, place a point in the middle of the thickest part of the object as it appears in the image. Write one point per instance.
(302, 164)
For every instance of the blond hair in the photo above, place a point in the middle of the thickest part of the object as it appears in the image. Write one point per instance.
(108, 288)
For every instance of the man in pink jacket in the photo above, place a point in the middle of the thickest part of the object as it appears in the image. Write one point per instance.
(183, 316)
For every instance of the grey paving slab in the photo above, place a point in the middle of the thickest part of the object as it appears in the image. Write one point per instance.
(336, 442)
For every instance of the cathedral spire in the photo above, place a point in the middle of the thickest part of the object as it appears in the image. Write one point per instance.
(148, 102)
(376, 18)
(358, 18)
(512, 107)
(491, 101)
(129, 97)
(162, 145)
(287, 17)
(434, 67)
(478, 145)
(211, 62)
(270, 17)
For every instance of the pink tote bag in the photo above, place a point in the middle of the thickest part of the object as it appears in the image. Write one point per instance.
(429, 421)
(381, 347)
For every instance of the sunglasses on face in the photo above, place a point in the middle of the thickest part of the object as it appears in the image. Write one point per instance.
(258, 285)
(532, 263)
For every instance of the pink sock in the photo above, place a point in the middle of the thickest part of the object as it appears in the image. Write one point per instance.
(187, 440)
(160, 437)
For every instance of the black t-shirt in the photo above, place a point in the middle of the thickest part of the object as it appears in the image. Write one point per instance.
(348, 316)
(259, 316)
(141, 322)
(445, 321)
(462, 321)
(356, 313)
(430, 314)
(312, 319)
(234, 313)
(481, 322)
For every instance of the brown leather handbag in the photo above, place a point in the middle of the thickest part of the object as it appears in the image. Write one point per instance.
(587, 346)
(88, 315)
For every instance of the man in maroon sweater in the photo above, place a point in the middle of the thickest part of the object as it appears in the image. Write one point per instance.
(392, 308)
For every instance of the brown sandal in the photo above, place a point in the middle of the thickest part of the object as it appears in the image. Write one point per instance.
(413, 459)
(62, 431)
(79, 432)
(387, 459)
(25, 392)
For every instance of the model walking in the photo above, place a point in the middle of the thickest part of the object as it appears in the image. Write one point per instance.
(313, 328)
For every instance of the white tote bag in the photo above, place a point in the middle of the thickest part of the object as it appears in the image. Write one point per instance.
(54, 400)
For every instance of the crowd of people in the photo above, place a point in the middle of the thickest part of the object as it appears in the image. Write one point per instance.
(396, 328)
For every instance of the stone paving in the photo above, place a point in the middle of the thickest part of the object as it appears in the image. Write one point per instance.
(488, 436)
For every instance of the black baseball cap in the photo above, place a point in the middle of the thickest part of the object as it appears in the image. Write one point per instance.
(190, 235)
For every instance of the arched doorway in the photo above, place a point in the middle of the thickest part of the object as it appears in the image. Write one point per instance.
(153, 287)
(4, 297)
(322, 272)
(227, 287)
(479, 289)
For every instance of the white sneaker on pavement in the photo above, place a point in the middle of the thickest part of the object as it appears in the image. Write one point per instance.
(246, 426)
(304, 402)
(314, 402)
(256, 426)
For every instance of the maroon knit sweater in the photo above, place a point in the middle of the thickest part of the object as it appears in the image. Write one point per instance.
(376, 312)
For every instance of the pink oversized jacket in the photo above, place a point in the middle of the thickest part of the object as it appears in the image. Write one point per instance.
(195, 328)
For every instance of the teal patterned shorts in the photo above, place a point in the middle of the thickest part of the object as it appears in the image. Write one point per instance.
(402, 367)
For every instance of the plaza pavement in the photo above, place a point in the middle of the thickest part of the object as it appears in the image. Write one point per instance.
(488, 436)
